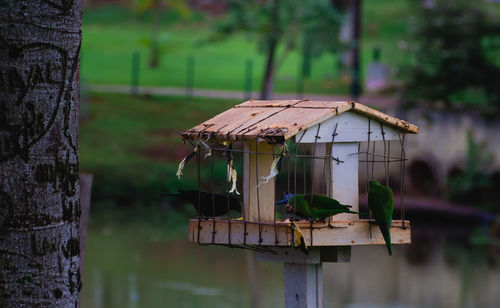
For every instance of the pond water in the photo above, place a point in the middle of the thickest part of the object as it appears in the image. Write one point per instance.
(130, 265)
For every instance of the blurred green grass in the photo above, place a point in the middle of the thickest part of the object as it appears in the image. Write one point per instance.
(112, 34)
(129, 144)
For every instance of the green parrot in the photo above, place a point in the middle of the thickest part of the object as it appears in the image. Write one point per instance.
(322, 206)
(381, 204)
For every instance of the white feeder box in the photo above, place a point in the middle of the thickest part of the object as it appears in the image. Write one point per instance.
(332, 133)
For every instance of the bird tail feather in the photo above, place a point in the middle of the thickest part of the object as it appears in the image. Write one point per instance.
(387, 238)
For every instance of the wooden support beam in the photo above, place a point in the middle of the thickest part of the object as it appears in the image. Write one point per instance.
(303, 285)
(292, 255)
(344, 181)
(340, 233)
(336, 254)
(315, 255)
(351, 127)
(258, 201)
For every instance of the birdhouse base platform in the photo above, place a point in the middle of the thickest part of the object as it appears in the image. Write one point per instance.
(279, 233)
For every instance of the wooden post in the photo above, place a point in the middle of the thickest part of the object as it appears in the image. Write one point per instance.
(303, 285)
(257, 166)
(258, 202)
(344, 173)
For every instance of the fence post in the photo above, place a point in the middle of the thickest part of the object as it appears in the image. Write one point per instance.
(134, 85)
(189, 76)
(248, 79)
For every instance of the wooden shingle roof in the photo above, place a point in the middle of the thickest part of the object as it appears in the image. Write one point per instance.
(278, 120)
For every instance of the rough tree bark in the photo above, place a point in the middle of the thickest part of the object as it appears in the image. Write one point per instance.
(39, 190)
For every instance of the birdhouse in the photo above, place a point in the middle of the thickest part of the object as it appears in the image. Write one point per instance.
(312, 149)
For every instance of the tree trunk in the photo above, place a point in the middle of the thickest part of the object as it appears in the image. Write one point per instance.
(356, 41)
(154, 61)
(268, 80)
(39, 190)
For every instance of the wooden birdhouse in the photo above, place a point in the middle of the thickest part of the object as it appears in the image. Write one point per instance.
(323, 148)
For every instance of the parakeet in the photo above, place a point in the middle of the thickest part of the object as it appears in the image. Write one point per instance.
(322, 206)
(285, 201)
(381, 204)
(299, 238)
(207, 208)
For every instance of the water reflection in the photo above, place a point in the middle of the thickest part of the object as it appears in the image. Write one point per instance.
(127, 266)
(374, 280)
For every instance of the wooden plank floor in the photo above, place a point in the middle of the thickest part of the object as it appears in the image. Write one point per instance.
(339, 233)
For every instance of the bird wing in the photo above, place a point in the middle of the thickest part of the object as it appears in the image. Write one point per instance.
(325, 213)
(324, 202)
(381, 203)
(300, 206)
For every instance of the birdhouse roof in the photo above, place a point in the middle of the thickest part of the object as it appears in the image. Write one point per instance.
(275, 121)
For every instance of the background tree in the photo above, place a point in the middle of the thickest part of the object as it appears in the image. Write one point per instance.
(457, 45)
(277, 26)
(156, 7)
(39, 190)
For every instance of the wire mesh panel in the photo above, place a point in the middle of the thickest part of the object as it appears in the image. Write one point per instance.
(292, 168)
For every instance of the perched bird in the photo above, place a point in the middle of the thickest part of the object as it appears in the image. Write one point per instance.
(208, 207)
(285, 201)
(314, 206)
(299, 238)
(381, 204)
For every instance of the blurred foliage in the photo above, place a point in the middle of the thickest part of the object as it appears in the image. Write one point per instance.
(180, 7)
(111, 34)
(278, 26)
(128, 143)
(159, 43)
(474, 184)
(318, 18)
(107, 15)
(457, 47)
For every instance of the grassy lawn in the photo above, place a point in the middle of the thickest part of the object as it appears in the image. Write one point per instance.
(111, 36)
(128, 143)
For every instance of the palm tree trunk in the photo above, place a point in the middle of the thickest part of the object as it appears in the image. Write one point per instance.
(39, 189)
